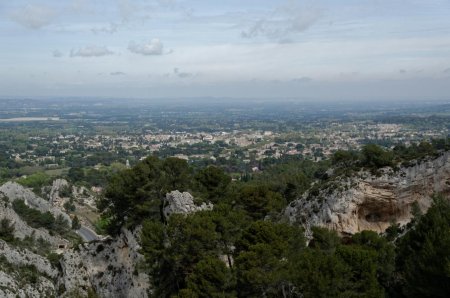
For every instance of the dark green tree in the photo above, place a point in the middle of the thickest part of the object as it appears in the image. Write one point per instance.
(6, 230)
(259, 201)
(211, 278)
(213, 182)
(424, 253)
(317, 273)
(263, 255)
(173, 251)
(76, 223)
(373, 156)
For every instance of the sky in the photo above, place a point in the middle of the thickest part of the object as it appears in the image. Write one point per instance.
(322, 49)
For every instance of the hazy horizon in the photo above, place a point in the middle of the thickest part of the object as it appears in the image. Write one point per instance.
(166, 49)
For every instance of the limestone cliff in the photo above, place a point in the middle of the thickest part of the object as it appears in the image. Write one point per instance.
(372, 202)
(16, 191)
(108, 267)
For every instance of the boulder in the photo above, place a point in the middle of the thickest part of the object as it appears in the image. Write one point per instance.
(182, 203)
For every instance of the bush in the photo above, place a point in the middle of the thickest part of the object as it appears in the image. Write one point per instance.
(37, 219)
(6, 230)
(376, 157)
(35, 181)
(33, 217)
(423, 253)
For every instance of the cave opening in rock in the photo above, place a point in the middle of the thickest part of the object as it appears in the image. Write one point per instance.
(373, 217)
(374, 211)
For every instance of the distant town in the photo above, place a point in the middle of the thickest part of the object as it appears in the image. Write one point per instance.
(40, 136)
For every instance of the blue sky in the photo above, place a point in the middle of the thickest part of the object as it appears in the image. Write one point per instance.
(319, 49)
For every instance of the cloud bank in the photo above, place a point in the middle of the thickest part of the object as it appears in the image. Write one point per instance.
(57, 54)
(291, 18)
(153, 47)
(91, 51)
(34, 16)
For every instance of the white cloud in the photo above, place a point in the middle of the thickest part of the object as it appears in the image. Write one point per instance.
(283, 21)
(181, 74)
(111, 28)
(127, 10)
(118, 73)
(91, 51)
(57, 54)
(302, 80)
(34, 16)
(153, 47)
(79, 6)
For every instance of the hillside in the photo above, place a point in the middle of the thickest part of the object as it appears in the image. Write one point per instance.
(177, 231)
(367, 201)
(46, 261)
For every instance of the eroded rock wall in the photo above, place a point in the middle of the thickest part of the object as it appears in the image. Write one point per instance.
(109, 267)
(373, 202)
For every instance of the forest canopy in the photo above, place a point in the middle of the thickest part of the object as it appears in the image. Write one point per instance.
(242, 248)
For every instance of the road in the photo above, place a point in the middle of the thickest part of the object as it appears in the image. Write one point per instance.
(87, 234)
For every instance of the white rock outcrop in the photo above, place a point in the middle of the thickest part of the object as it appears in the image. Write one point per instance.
(371, 202)
(11, 284)
(22, 229)
(182, 203)
(23, 257)
(10, 287)
(15, 191)
(57, 186)
(108, 267)
(84, 196)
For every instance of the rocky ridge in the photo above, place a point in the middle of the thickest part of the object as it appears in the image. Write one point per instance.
(22, 229)
(109, 267)
(16, 191)
(367, 201)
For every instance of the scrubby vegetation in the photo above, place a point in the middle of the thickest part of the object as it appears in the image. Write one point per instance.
(6, 230)
(33, 217)
(373, 157)
(36, 219)
(240, 249)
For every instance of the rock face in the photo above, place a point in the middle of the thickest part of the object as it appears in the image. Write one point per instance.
(182, 203)
(57, 186)
(108, 267)
(16, 191)
(22, 229)
(84, 196)
(25, 257)
(10, 287)
(369, 202)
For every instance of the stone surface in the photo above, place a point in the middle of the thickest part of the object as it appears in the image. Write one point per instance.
(25, 257)
(11, 288)
(370, 202)
(182, 203)
(84, 196)
(55, 196)
(15, 191)
(10, 278)
(109, 267)
(22, 229)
